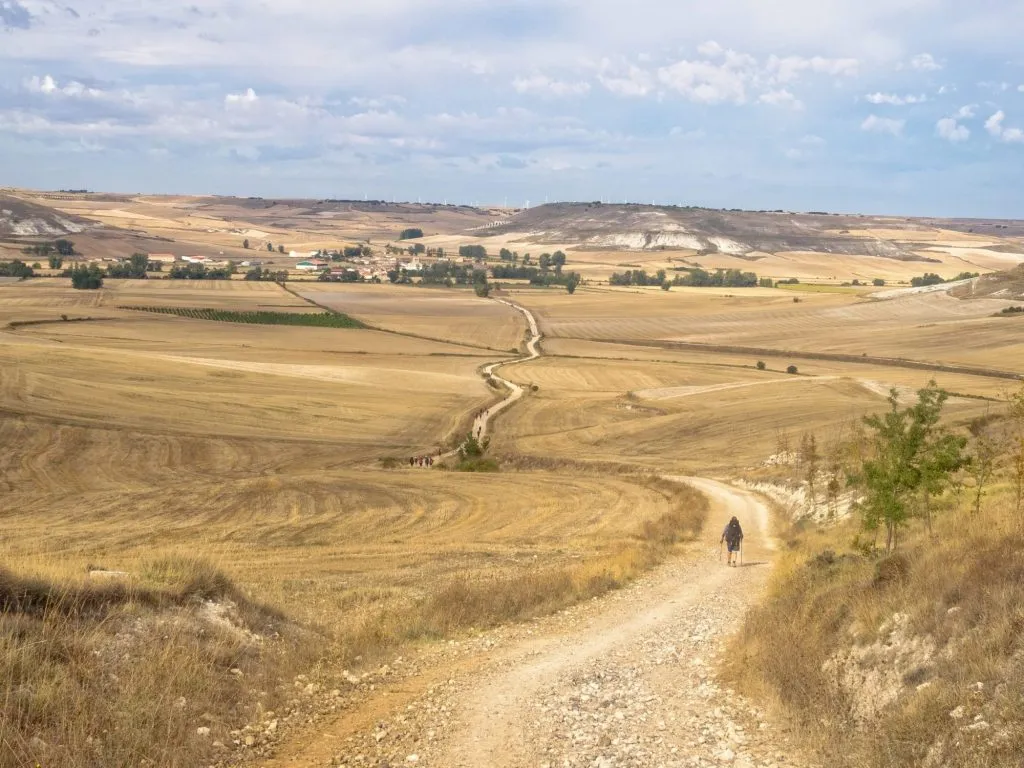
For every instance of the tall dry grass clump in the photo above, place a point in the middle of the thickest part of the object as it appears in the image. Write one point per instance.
(114, 674)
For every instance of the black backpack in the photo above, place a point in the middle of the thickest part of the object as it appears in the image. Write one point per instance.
(733, 533)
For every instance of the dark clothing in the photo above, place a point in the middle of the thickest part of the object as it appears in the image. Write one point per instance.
(733, 535)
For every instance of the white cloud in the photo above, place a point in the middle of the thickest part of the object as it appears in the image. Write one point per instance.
(895, 99)
(248, 97)
(1020, 88)
(376, 102)
(966, 112)
(633, 82)
(994, 125)
(707, 83)
(811, 140)
(679, 132)
(711, 49)
(925, 62)
(876, 124)
(950, 130)
(789, 68)
(781, 98)
(50, 87)
(542, 85)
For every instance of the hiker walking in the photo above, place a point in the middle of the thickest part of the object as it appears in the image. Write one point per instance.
(733, 538)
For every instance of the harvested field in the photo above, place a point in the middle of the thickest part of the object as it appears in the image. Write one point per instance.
(458, 317)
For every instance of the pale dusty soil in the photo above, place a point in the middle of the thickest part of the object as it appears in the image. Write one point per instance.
(627, 680)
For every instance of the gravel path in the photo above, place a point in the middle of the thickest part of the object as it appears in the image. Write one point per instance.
(624, 681)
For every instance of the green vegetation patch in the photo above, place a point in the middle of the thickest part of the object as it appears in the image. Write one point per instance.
(312, 320)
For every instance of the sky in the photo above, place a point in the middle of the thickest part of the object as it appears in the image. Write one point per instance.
(910, 107)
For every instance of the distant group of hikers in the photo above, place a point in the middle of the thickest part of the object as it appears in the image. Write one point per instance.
(479, 422)
(421, 461)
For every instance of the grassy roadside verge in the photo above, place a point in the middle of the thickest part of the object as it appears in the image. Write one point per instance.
(104, 671)
(915, 659)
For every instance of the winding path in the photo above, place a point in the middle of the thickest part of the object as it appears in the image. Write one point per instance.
(623, 682)
(482, 423)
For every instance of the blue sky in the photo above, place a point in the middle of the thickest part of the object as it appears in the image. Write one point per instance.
(878, 106)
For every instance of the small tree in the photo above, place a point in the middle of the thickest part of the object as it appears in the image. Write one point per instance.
(270, 247)
(941, 453)
(245, 243)
(65, 247)
(280, 249)
(56, 261)
(983, 460)
(792, 369)
(910, 455)
(878, 282)
(86, 277)
(572, 281)
(761, 365)
(666, 286)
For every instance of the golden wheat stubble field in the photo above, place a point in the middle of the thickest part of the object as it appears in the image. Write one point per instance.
(259, 447)
(930, 327)
(457, 316)
(138, 443)
(626, 399)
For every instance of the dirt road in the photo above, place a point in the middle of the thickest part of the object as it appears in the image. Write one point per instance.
(632, 684)
(627, 680)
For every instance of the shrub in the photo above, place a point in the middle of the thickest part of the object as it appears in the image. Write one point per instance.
(878, 282)
(411, 234)
(86, 278)
(761, 365)
(792, 369)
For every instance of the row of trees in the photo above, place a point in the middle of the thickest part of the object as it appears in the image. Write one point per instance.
(62, 247)
(265, 275)
(137, 267)
(16, 268)
(201, 272)
(930, 278)
(695, 277)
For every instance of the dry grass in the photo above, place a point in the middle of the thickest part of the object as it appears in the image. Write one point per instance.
(962, 594)
(124, 673)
